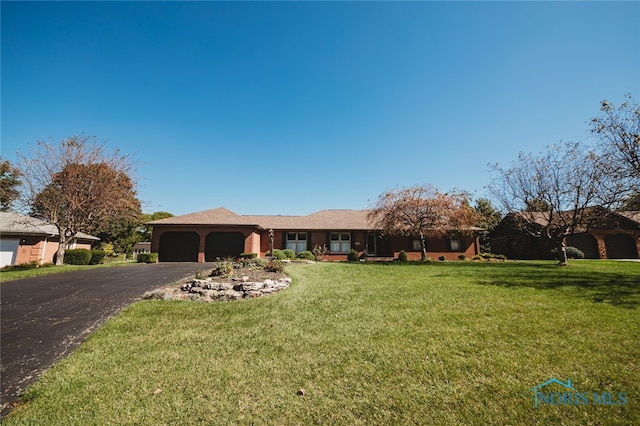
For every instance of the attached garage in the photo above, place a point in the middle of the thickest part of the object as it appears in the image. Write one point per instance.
(179, 247)
(621, 246)
(586, 243)
(219, 245)
(8, 251)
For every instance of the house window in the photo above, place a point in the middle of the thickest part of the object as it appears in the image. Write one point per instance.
(416, 245)
(297, 241)
(454, 242)
(340, 242)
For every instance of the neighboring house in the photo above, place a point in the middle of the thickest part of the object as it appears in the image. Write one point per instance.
(143, 247)
(612, 235)
(24, 239)
(218, 233)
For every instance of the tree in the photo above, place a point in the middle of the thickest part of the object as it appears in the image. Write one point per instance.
(552, 194)
(488, 218)
(618, 131)
(9, 183)
(145, 230)
(78, 186)
(631, 203)
(421, 211)
(122, 233)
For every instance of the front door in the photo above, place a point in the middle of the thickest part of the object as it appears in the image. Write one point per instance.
(372, 239)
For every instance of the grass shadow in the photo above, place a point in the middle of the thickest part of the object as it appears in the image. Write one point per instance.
(615, 286)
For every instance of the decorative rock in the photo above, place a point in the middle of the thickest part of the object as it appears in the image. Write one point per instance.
(240, 289)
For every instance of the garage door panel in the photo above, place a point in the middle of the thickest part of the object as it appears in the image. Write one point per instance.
(8, 251)
(220, 245)
(179, 247)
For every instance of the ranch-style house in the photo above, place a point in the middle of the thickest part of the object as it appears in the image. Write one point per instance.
(219, 233)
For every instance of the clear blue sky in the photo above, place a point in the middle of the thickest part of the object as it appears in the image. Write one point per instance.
(289, 108)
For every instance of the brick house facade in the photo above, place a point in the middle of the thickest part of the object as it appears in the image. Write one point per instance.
(615, 236)
(218, 233)
(25, 240)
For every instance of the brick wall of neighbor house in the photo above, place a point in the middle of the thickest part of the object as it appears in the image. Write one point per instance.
(30, 250)
(40, 249)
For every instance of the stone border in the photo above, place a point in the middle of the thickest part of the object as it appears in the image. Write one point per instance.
(209, 290)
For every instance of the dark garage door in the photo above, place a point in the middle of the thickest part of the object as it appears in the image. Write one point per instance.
(179, 247)
(620, 246)
(585, 243)
(223, 244)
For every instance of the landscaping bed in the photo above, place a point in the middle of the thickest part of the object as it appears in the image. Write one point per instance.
(227, 280)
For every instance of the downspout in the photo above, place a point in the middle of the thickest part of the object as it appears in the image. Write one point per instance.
(44, 251)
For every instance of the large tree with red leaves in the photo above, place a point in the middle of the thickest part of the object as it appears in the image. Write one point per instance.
(422, 211)
(78, 186)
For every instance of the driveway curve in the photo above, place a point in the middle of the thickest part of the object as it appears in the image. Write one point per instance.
(44, 318)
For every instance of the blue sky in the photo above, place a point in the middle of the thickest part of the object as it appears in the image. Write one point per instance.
(293, 107)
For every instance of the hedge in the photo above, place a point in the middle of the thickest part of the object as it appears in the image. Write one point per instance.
(77, 256)
(147, 257)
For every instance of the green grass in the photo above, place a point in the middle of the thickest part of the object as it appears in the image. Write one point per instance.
(453, 343)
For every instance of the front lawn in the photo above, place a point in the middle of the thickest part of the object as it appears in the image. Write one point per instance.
(444, 343)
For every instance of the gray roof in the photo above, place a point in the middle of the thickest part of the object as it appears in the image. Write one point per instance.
(19, 224)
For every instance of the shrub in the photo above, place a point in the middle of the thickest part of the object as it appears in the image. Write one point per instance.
(97, 256)
(402, 256)
(248, 255)
(224, 269)
(352, 256)
(77, 257)
(307, 255)
(500, 257)
(476, 257)
(462, 257)
(442, 258)
(274, 266)
(147, 257)
(21, 266)
(573, 253)
(108, 248)
(289, 254)
(277, 253)
(319, 251)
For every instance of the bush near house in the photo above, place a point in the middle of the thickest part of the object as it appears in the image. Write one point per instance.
(278, 254)
(147, 257)
(77, 257)
(352, 256)
(289, 254)
(306, 255)
(97, 257)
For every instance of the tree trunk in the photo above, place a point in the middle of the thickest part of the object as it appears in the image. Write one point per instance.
(562, 252)
(62, 246)
(423, 244)
(60, 254)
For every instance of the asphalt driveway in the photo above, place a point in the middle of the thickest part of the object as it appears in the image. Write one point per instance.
(44, 318)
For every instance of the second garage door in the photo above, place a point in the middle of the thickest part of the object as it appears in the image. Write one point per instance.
(223, 244)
